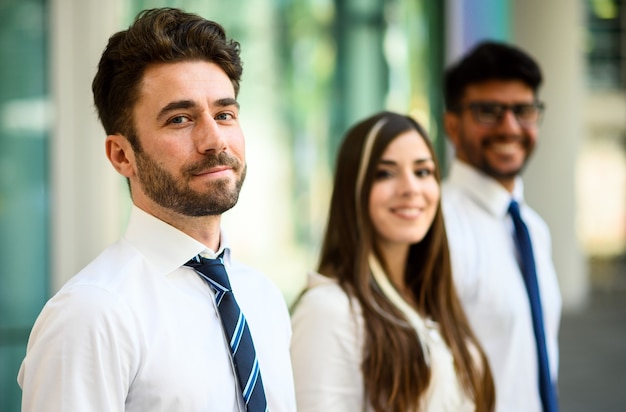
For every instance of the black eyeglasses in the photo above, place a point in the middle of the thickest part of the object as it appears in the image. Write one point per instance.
(492, 113)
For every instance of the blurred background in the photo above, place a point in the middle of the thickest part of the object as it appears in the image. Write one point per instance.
(311, 69)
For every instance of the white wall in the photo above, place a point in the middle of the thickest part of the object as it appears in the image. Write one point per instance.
(553, 32)
(87, 195)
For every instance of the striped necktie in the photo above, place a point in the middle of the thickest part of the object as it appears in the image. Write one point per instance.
(522, 240)
(236, 331)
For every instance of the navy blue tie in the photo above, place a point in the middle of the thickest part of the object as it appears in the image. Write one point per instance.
(236, 331)
(522, 239)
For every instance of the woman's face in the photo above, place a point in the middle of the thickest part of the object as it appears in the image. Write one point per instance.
(405, 193)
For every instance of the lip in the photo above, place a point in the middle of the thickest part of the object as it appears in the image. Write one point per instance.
(214, 171)
(407, 212)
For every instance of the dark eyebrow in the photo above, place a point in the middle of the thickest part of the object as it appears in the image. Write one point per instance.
(417, 161)
(228, 101)
(190, 104)
(177, 105)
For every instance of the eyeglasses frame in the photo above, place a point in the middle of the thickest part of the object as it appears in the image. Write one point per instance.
(474, 105)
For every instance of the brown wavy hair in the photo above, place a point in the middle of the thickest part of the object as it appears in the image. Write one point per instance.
(163, 35)
(396, 375)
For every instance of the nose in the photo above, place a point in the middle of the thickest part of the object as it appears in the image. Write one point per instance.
(208, 136)
(409, 184)
(509, 124)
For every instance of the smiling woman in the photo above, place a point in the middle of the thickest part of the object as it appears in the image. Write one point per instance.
(380, 327)
(404, 196)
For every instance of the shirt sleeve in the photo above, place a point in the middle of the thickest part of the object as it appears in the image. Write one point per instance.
(79, 354)
(326, 351)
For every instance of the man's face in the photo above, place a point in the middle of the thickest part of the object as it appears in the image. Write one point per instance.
(502, 148)
(192, 157)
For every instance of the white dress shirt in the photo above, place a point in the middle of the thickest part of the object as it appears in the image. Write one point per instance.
(137, 331)
(327, 354)
(490, 284)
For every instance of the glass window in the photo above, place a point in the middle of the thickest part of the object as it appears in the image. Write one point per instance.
(606, 46)
(23, 184)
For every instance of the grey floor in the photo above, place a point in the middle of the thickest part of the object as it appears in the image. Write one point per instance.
(592, 373)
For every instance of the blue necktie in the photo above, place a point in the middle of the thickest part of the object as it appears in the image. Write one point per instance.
(236, 331)
(524, 245)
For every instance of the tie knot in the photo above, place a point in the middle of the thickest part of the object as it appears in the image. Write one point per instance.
(212, 270)
(514, 208)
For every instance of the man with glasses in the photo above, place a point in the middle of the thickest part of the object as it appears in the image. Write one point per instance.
(492, 117)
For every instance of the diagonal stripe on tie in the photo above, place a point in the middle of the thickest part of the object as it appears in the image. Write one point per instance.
(547, 388)
(238, 334)
(236, 331)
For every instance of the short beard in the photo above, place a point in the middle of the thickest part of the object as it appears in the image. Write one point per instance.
(165, 190)
(477, 158)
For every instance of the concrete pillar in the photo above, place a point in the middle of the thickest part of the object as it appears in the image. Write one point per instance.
(552, 32)
(86, 193)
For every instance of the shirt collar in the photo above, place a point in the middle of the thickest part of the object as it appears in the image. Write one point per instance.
(165, 247)
(485, 190)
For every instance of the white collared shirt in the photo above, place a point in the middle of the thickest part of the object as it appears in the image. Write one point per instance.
(490, 284)
(328, 348)
(137, 331)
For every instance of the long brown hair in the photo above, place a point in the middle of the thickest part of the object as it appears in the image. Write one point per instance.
(395, 371)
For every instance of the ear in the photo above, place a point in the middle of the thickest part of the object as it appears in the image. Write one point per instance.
(451, 125)
(121, 154)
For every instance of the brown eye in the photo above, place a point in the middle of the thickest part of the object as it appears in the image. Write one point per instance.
(526, 112)
(383, 174)
(425, 172)
(488, 112)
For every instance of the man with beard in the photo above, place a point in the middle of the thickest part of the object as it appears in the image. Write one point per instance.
(140, 328)
(492, 115)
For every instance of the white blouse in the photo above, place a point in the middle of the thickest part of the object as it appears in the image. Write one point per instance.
(327, 353)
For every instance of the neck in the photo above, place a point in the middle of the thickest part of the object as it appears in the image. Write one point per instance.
(507, 183)
(204, 229)
(395, 257)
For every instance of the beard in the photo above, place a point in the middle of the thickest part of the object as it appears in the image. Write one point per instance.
(177, 195)
(476, 155)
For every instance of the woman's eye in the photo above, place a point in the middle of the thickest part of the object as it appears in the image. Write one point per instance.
(423, 172)
(383, 174)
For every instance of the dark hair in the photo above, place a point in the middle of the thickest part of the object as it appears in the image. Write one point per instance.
(489, 60)
(157, 36)
(394, 368)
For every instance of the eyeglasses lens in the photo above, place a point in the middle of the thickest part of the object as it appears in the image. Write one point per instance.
(493, 113)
